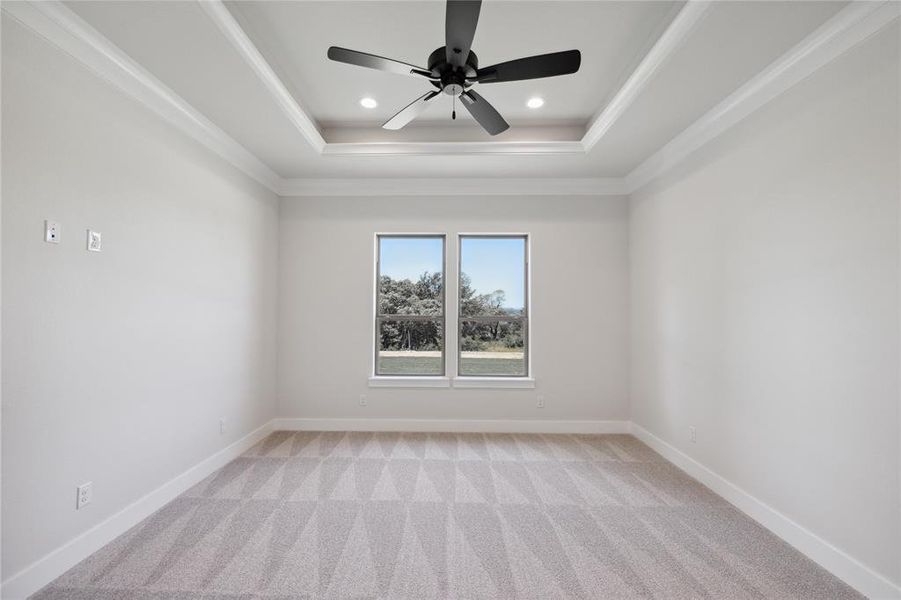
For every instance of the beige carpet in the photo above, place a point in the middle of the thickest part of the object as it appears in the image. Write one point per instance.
(385, 515)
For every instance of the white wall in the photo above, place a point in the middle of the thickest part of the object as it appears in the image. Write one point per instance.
(579, 306)
(764, 283)
(118, 365)
(765, 305)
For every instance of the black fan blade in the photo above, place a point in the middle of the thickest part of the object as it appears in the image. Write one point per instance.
(487, 116)
(533, 67)
(411, 111)
(371, 61)
(460, 21)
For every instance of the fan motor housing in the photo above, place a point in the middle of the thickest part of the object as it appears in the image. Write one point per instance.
(453, 81)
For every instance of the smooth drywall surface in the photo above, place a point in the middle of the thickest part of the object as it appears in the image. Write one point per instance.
(765, 306)
(579, 277)
(118, 365)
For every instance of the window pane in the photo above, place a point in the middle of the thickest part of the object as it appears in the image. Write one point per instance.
(410, 348)
(492, 276)
(411, 280)
(492, 348)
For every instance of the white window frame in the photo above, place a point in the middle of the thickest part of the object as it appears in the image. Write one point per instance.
(424, 380)
(451, 270)
(525, 318)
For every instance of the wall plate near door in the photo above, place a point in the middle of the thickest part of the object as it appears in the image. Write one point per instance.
(95, 241)
(51, 232)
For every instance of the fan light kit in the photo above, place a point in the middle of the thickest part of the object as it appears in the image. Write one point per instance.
(535, 102)
(368, 102)
(454, 68)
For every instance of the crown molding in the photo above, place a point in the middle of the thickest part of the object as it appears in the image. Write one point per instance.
(225, 21)
(665, 46)
(451, 148)
(850, 26)
(56, 23)
(289, 105)
(53, 21)
(60, 26)
(453, 187)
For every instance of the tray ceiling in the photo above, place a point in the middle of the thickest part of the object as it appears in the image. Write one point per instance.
(697, 62)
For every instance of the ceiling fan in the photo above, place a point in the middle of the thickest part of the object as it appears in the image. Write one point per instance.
(454, 68)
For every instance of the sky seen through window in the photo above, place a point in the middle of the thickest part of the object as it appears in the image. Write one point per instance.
(491, 263)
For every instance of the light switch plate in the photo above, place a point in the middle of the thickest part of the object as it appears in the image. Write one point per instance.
(51, 232)
(95, 241)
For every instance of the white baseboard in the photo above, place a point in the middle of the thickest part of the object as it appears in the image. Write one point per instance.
(853, 572)
(44, 570)
(840, 564)
(453, 425)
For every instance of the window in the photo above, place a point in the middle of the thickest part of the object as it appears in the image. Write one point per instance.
(493, 328)
(410, 321)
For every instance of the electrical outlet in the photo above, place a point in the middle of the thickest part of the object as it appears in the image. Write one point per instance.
(52, 231)
(85, 493)
(692, 434)
(539, 402)
(95, 241)
(222, 426)
(362, 399)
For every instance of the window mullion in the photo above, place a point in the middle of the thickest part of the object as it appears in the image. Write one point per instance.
(451, 306)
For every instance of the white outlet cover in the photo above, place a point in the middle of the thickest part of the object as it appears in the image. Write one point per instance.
(52, 232)
(95, 241)
(85, 493)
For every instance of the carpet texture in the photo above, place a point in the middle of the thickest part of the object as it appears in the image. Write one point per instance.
(416, 515)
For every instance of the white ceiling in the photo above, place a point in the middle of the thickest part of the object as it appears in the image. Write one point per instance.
(295, 36)
(177, 42)
(734, 42)
(180, 44)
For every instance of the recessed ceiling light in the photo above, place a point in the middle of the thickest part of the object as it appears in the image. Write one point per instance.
(535, 102)
(368, 102)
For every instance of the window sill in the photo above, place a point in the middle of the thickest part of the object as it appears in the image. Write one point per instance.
(497, 383)
(506, 383)
(386, 381)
